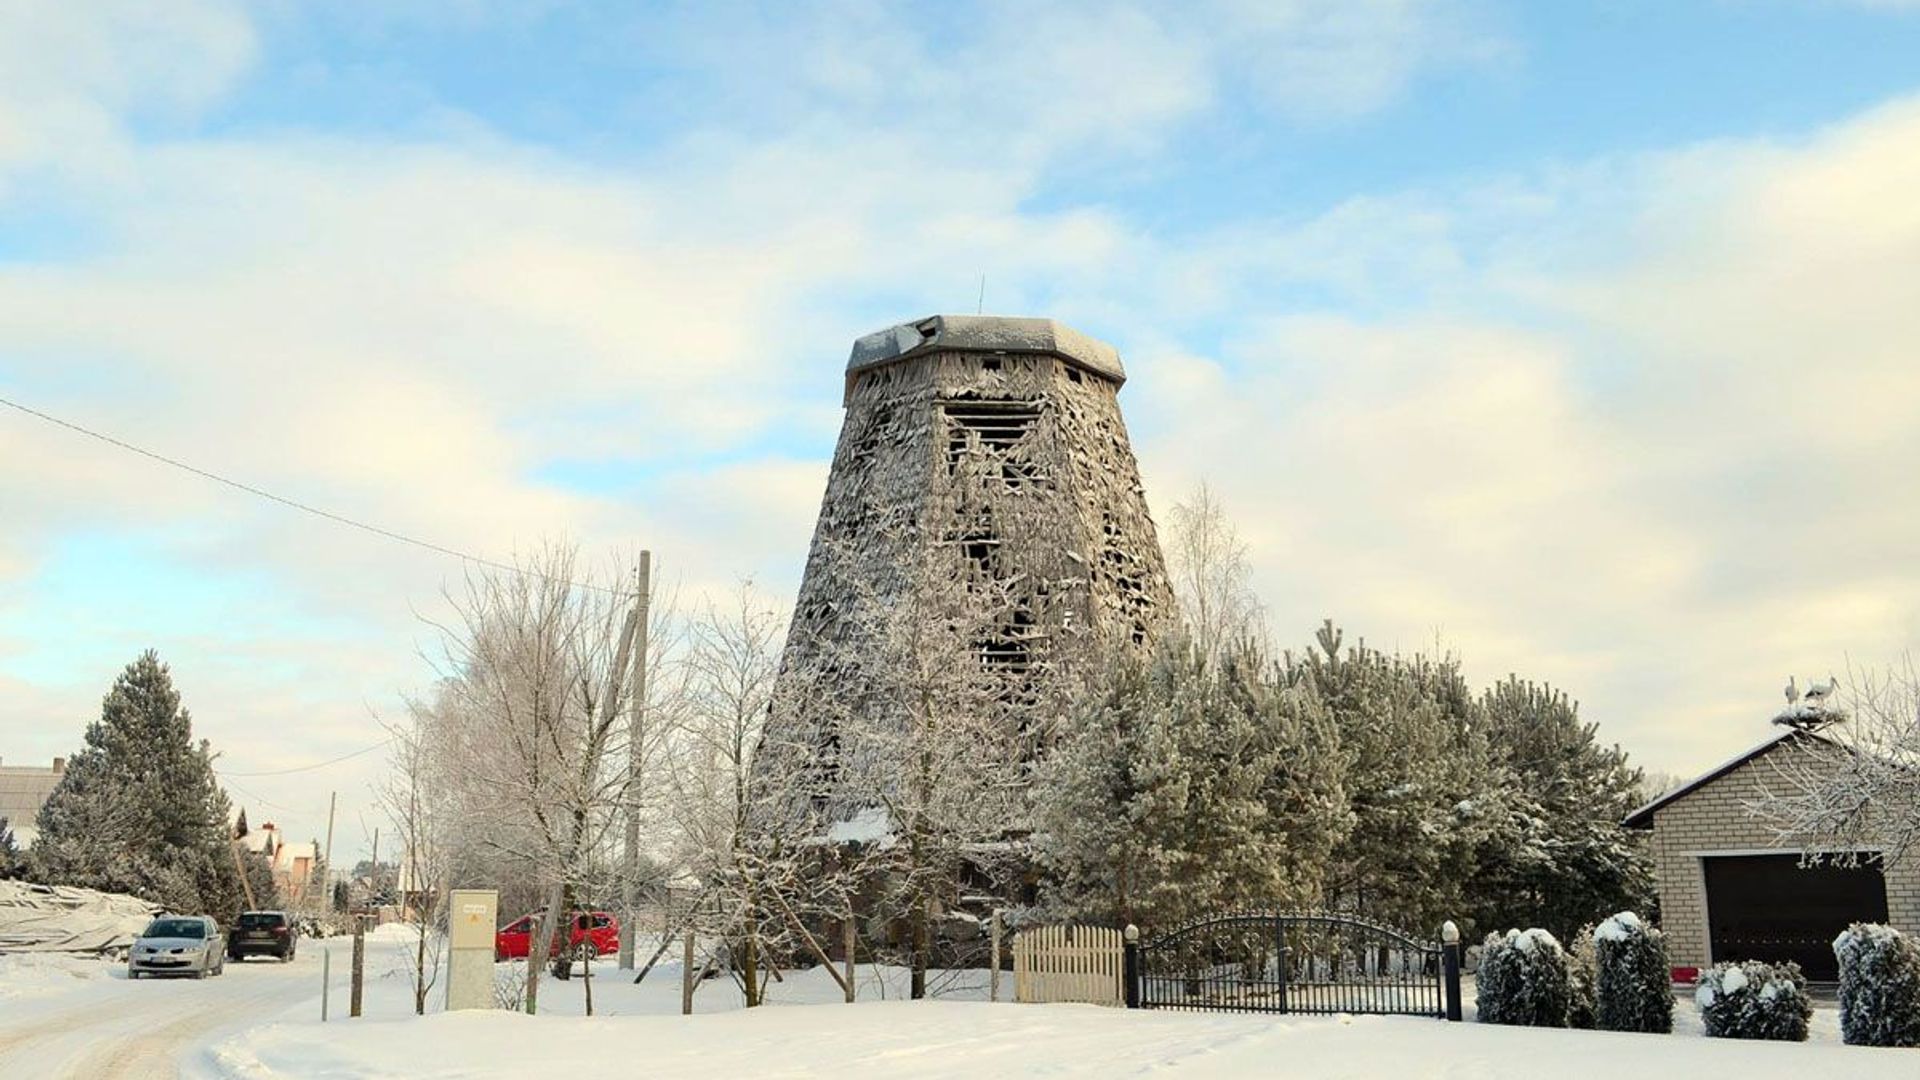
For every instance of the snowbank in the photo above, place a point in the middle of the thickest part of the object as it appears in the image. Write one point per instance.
(965, 1041)
(29, 975)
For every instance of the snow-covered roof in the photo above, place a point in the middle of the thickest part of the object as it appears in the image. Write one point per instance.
(283, 858)
(1643, 817)
(869, 825)
(985, 334)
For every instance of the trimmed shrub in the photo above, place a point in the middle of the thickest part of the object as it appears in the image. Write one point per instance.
(1879, 986)
(1752, 1000)
(1632, 986)
(1582, 971)
(1523, 980)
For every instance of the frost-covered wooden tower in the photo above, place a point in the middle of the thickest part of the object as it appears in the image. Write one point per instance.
(994, 447)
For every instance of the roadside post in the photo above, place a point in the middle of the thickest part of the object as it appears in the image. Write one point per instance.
(326, 980)
(359, 964)
(472, 916)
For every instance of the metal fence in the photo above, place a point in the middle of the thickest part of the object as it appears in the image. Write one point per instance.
(1294, 963)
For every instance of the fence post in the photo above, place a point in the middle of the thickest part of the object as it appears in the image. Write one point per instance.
(1450, 961)
(326, 979)
(1131, 966)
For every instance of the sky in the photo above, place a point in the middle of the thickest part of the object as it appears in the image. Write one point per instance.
(1577, 339)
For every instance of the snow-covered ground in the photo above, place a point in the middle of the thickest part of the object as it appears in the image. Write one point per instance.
(260, 1021)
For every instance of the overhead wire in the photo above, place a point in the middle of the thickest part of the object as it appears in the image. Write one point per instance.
(296, 504)
(309, 768)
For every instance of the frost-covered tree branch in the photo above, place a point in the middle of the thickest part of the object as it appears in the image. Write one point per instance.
(1852, 787)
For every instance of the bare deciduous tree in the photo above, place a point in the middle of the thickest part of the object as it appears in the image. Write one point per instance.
(529, 726)
(1852, 787)
(925, 747)
(417, 811)
(1208, 563)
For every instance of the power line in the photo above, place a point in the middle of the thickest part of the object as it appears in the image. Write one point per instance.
(315, 765)
(295, 504)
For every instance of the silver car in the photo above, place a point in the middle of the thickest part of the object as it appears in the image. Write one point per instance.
(178, 945)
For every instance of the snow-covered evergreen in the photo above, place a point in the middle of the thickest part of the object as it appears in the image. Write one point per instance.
(1879, 986)
(1632, 982)
(10, 860)
(1420, 783)
(138, 810)
(1189, 786)
(1555, 854)
(1582, 972)
(1753, 1000)
(1523, 980)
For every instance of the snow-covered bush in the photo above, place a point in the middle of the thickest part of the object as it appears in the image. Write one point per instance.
(1523, 980)
(1632, 984)
(1752, 1000)
(1582, 972)
(1879, 986)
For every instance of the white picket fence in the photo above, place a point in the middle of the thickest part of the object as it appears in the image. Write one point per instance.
(1069, 963)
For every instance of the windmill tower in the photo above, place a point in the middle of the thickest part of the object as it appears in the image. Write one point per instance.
(993, 450)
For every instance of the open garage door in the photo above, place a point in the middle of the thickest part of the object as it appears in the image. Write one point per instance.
(1767, 907)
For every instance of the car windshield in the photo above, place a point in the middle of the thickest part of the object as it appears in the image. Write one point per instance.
(261, 920)
(177, 928)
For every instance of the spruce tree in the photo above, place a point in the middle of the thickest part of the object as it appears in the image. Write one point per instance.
(138, 810)
(10, 861)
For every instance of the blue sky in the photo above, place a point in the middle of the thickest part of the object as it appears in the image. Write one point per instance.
(1533, 329)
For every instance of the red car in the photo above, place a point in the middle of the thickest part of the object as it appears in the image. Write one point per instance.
(593, 934)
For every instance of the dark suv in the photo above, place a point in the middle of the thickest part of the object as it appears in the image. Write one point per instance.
(262, 932)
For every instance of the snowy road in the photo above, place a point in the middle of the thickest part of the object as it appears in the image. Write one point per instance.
(86, 1019)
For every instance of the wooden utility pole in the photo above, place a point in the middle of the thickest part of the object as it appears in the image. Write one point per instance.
(239, 867)
(636, 723)
(326, 860)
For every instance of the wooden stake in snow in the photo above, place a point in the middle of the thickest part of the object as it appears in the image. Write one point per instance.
(993, 973)
(686, 976)
(850, 941)
(359, 963)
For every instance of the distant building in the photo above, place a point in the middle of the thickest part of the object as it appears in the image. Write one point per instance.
(1729, 890)
(23, 789)
(292, 861)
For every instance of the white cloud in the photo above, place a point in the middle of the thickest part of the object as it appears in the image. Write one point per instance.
(1678, 484)
(1580, 439)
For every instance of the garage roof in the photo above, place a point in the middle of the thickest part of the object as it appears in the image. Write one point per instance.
(1643, 817)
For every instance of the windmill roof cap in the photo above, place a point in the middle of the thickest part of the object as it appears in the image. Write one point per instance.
(985, 334)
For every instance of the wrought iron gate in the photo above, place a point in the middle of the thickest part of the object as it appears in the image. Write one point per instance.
(1294, 963)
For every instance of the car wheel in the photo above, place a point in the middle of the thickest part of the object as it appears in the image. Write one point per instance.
(589, 951)
(132, 975)
(200, 973)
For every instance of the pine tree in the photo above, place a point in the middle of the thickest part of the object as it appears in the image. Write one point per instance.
(1419, 784)
(1557, 855)
(138, 810)
(1188, 787)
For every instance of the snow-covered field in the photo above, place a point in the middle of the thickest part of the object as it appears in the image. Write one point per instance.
(63, 1017)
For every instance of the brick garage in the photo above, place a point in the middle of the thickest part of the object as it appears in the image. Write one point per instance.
(1730, 891)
